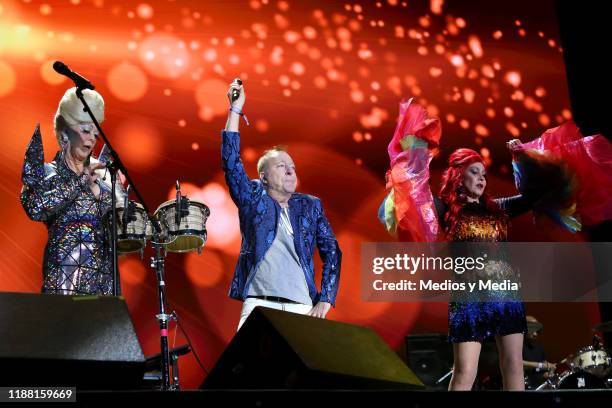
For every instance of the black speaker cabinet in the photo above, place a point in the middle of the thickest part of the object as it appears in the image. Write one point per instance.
(430, 356)
(83, 341)
(585, 37)
(282, 350)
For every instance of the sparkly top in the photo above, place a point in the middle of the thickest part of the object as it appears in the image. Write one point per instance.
(479, 227)
(77, 257)
(477, 223)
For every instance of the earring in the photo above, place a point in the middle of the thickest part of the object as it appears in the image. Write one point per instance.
(461, 192)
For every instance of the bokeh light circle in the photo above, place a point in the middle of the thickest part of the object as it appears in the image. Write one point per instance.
(140, 144)
(204, 270)
(133, 270)
(8, 79)
(49, 75)
(211, 97)
(144, 11)
(164, 56)
(127, 82)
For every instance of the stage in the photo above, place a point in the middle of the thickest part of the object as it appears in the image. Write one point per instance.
(327, 81)
(290, 398)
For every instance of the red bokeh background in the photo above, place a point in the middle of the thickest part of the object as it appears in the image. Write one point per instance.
(323, 79)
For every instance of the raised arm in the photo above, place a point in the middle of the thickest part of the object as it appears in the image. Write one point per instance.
(521, 203)
(545, 184)
(45, 192)
(409, 208)
(515, 205)
(238, 182)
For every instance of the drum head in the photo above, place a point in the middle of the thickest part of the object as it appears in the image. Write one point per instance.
(172, 203)
(186, 243)
(581, 380)
(594, 361)
(164, 205)
(126, 246)
(120, 206)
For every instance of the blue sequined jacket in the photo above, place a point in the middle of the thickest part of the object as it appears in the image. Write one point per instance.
(259, 215)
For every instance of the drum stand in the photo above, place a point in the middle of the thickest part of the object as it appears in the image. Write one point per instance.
(114, 164)
(158, 263)
(546, 385)
(445, 376)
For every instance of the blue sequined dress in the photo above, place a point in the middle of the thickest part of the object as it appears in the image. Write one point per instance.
(77, 257)
(477, 320)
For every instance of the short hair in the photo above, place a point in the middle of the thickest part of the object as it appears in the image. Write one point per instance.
(263, 160)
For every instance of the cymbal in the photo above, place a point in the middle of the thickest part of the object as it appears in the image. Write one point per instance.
(603, 327)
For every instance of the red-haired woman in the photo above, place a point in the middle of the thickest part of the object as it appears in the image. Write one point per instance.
(464, 212)
(467, 213)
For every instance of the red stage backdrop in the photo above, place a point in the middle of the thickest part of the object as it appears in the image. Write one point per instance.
(323, 78)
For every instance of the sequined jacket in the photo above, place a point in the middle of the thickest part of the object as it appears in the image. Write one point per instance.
(77, 258)
(259, 215)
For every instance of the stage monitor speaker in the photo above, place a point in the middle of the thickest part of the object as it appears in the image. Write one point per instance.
(53, 340)
(585, 35)
(282, 350)
(430, 356)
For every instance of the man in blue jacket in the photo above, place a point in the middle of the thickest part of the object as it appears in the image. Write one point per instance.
(280, 229)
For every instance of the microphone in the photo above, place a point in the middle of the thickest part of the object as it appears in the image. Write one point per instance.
(177, 204)
(79, 81)
(126, 211)
(236, 92)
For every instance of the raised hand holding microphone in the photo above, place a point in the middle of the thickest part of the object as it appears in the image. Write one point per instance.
(237, 98)
(236, 94)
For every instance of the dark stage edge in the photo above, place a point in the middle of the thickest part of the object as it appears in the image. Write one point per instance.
(342, 398)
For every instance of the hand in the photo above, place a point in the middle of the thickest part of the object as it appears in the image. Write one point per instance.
(92, 177)
(238, 103)
(514, 144)
(550, 366)
(320, 310)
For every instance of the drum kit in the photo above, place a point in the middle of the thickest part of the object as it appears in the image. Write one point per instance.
(589, 368)
(182, 221)
(177, 225)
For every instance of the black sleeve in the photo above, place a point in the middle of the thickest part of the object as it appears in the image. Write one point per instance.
(515, 205)
(543, 183)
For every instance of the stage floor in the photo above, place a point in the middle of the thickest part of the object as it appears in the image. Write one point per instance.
(345, 398)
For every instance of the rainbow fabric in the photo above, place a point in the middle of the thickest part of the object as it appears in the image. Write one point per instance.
(409, 208)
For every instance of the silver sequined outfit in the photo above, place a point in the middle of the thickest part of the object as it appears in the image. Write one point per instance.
(77, 258)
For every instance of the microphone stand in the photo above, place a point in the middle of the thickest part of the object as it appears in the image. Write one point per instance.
(115, 165)
(158, 263)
